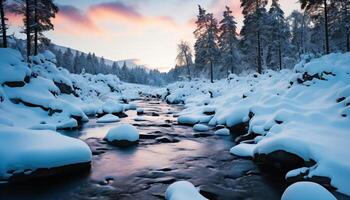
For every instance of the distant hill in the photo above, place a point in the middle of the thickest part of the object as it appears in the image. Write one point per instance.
(131, 63)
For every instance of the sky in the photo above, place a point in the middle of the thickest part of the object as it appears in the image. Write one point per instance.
(145, 30)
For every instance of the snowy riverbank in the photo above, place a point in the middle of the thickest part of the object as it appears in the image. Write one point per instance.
(297, 120)
(36, 99)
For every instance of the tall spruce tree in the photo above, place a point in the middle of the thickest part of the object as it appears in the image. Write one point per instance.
(252, 32)
(3, 26)
(44, 10)
(199, 33)
(313, 6)
(339, 25)
(211, 48)
(278, 35)
(228, 41)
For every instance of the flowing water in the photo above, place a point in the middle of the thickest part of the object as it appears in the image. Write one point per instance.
(146, 170)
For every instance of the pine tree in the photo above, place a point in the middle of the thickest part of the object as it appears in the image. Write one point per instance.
(3, 23)
(199, 33)
(26, 8)
(228, 41)
(67, 61)
(115, 68)
(252, 32)
(300, 33)
(278, 35)
(339, 24)
(211, 49)
(313, 5)
(184, 57)
(44, 10)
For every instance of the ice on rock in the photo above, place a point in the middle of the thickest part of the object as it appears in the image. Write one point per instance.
(307, 191)
(23, 149)
(108, 118)
(223, 131)
(201, 128)
(183, 190)
(123, 135)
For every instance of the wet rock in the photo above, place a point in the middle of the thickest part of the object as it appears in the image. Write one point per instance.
(164, 180)
(64, 88)
(154, 114)
(201, 134)
(280, 159)
(122, 143)
(209, 112)
(248, 136)
(140, 111)
(217, 127)
(240, 129)
(15, 84)
(166, 139)
(149, 136)
(165, 125)
(44, 174)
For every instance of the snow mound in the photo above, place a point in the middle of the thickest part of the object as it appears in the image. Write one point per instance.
(12, 66)
(183, 190)
(307, 191)
(223, 131)
(23, 150)
(123, 132)
(109, 118)
(200, 128)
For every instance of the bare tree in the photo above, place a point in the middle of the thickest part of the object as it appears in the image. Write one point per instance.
(184, 56)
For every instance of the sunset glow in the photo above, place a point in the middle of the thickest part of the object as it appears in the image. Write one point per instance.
(144, 30)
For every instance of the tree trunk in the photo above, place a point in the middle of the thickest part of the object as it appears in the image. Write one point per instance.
(326, 26)
(188, 67)
(188, 72)
(231, 60)
(28, 30)
(211, 72)
(259, 54)
(280, 56)
(36, 27)
(3, 25)
(348, 42)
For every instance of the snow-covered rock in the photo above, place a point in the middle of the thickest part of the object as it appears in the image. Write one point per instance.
(223, 131)
(200, 128)
(183, 190)
(24, 151)
(12, 67)
(123, 135)
(307, 191)
(140, 111)
(108, 118)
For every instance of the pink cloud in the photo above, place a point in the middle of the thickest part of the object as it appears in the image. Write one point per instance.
(73, 21)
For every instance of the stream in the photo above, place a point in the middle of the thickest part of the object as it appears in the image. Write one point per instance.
(167, 152)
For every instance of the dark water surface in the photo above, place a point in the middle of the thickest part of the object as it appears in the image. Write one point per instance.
(146, 170)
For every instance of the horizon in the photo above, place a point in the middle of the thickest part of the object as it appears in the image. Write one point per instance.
(145, 31)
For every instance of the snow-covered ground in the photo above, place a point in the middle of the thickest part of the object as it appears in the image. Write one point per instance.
(39, 95)
(305, 112)
(37, 98)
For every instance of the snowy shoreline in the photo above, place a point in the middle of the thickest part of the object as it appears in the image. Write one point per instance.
(298, 120)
